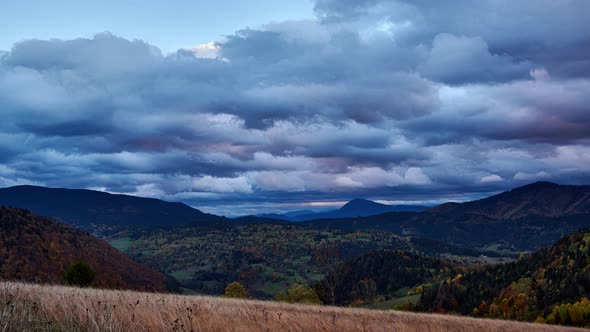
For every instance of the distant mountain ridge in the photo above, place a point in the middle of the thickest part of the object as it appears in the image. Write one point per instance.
(287, 216)
(357, 207)
(81, 207)
(524, 218)
(536, 199)
(38, 249)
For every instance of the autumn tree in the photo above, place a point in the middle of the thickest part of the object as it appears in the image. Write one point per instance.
(236, 290)
(299, 293)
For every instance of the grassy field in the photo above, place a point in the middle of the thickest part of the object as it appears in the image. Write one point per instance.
(25, 307)
(391, 304)
(122, 244)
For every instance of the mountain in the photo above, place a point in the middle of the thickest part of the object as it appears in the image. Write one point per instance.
(355, 208)
(524, 218)
(544, 199)
(81, 207)
(288, 216)
(521, 219)
(361, 207)
(299, 213)
(38, 249)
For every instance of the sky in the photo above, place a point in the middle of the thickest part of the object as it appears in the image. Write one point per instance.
(284, 105)
(169, 25)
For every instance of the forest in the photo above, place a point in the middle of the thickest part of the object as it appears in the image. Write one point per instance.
(266, 258)
(551, 285)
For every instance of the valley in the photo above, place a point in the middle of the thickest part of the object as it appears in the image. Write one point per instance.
(457, 259)
(308, 165)
(266, 258)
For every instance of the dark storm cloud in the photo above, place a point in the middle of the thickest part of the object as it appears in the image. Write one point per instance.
(366, 101)
(392, 100)
(266, 47)
(547, 33)
(456, 60)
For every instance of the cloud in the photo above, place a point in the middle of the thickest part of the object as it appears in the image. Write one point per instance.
(221, 185)
(535, 111)
(103, 54)
(372, 101)
(391, 100)
(206, 51)
(454, 59)
(531, 176)
(491, 178)
(540, 74)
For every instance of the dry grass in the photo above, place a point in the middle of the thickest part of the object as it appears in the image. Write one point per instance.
(25, 307)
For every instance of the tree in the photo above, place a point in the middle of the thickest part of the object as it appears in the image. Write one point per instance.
(236, 290)
(330, 282)
(80, 274)
(299, 293)
(366, 290)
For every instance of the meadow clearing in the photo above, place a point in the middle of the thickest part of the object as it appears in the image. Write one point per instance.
(30, 307)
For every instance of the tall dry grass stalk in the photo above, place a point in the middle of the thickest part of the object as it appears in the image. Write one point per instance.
(26, 307)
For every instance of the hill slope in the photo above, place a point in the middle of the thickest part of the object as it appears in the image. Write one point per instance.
(39, 249)
(534, 286)
(66, 308)
(83, 207)
(382, 272)
(543, 199)
(550, 285)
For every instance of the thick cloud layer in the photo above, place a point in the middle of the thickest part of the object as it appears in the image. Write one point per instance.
(392, 100)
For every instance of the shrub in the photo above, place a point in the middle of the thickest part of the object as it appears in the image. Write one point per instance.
(79, 274)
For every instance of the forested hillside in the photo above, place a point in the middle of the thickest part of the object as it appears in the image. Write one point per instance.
(550, 285)
(38, 249)
(380, 275)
